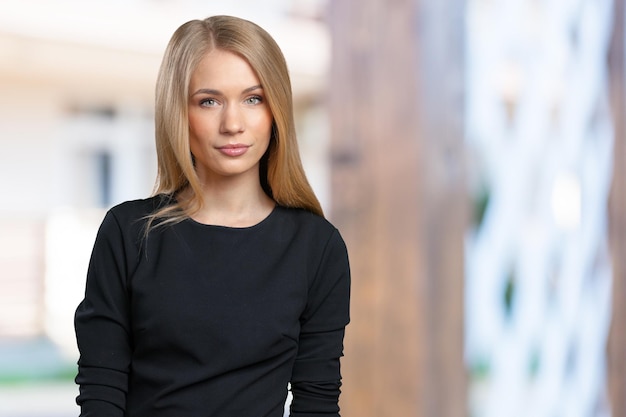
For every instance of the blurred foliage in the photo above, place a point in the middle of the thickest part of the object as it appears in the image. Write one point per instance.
(509, 293)
(480, 202)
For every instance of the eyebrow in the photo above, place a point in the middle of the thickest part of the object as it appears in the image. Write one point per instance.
(211, 91)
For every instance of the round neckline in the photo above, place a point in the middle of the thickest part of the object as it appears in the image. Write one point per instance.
(266, 219)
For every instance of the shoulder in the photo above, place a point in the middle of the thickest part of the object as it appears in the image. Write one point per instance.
(137, 210)
(304, 219)
(313, 228)
(129, 218)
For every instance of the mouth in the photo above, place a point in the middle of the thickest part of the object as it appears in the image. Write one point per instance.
(236, 149)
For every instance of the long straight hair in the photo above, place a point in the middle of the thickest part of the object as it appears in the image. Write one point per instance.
(281, 173)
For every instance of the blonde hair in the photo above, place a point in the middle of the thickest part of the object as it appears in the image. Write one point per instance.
(281, 172)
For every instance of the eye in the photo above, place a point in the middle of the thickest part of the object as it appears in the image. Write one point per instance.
(208, 102)
(254, 100)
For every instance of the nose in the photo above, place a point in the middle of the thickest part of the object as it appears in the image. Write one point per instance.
(232, 120)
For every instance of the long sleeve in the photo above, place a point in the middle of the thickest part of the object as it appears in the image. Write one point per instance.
(202, 320)
(102, 326)
(316, 376)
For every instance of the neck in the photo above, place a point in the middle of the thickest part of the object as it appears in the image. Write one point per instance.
(233, 201)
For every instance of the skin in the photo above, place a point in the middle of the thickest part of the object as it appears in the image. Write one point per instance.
(230, 127)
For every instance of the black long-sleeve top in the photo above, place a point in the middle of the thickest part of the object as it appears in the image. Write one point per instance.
(210, 321)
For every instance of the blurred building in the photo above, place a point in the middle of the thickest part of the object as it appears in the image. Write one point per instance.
(539, 271)
(478, 168)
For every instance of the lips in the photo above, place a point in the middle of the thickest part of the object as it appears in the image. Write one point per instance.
(233, 150)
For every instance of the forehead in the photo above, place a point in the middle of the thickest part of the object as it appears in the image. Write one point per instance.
(220, 68)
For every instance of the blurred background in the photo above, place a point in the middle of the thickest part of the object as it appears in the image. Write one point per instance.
(471, 152)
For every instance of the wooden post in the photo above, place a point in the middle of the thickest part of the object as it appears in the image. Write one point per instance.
(617, 218)
(399, 199)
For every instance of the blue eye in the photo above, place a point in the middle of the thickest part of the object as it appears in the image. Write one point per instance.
(254, 100)
(208, 102)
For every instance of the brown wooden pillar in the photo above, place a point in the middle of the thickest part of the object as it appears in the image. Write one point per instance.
(617, 217)
(399, 199)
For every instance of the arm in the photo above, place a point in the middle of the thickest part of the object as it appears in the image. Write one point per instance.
(316, 377)
(102, 327)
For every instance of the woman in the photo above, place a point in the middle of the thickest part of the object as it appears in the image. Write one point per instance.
(228, 285)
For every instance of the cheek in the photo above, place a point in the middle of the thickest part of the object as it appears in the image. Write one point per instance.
(195, 135)
(268, 124)
(269, 132)
(195, 124)
(193, 141)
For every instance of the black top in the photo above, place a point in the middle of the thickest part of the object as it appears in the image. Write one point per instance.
(199, 320)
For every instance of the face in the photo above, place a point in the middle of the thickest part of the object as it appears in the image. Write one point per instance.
(230, 122)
